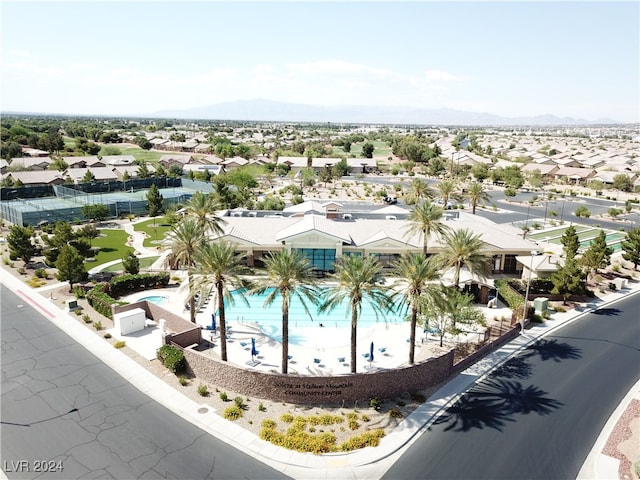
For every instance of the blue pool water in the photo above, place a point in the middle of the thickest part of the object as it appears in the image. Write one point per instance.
(157, 299)
(270, 317)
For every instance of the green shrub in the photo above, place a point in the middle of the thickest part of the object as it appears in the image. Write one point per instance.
(78, 312)
(107, 335)
(376, 403)
(395, 413)
(21, 271)
(119, 344)
(97, 325)
(232, 413)
(100, 301)
(224, 397)
(184, 381)
(367, 439)
(261, 407)
(268, 423)
(78, 291)
(239, 401)
(172, 358)
(286, 418)
(134, 282)
(203, 390)
(41, 273)
(86, 318)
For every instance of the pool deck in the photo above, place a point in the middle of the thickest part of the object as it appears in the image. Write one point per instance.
(313, 350)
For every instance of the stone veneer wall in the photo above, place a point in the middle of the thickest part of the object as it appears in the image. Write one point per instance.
(486, 348)
(301, 389)
(184, 333)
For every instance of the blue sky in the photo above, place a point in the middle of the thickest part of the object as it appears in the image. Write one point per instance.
(579, 59)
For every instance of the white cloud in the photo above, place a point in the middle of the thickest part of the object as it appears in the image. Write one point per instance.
(440, 76)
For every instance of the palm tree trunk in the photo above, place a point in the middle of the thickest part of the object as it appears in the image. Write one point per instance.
(412, 338)
(354, 337)
(285, 335)
(192, 308)
(223, 322)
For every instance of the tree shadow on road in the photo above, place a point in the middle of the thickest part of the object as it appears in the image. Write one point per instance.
(552, 350)
(493, 403)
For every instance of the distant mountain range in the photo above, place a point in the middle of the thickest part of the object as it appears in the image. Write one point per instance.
(267, 110)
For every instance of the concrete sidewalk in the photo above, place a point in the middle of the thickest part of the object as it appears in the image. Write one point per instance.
(365, 463)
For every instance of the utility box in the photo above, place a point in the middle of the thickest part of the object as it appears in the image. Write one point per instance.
(130, 321)
(541, 304)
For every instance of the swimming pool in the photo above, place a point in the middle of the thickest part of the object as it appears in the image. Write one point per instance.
(271, 316)
(157, 299)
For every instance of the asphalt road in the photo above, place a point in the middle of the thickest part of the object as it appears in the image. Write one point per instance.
(538, 416)
(67, 415)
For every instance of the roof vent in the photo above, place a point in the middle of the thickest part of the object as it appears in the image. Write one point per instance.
(391, 217)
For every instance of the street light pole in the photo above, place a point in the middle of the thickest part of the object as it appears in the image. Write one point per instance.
(526, 295)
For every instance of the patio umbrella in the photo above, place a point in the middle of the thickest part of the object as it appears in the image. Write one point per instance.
(371, 352)
(254, 352)
(213, 322)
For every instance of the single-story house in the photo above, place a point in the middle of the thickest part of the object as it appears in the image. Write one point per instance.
(30, 163)
(37, 177)
(577, 176)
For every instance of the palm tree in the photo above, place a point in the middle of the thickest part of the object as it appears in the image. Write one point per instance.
(426, 218)
(357, 278)
(462, 247)
(448, 190)
(219, 266)
(202, 208)
(417, 191)
(415, 271)
(476, 195)
(185, 238)
(290, 275)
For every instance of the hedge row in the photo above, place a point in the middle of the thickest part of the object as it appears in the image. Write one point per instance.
(537, 285)
(100, 301)
(139, 281)
(512, 298)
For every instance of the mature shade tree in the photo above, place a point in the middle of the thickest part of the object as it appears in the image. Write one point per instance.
(341, 169)
(355, 280)
(154, 201)
(571, 242)
(20, 245)
(631, 247)
(70, 265)
(131, 263)
(598, 255)
(476, 195)
(463, 248)
(414, 272)
(622, 182)
(96, 212)
(480, 171)
(185, 239)
(289, 275)
(219, 266)
(426, 218)
(59, 164)
(367, 149)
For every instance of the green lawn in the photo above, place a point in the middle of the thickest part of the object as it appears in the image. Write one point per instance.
(140, 154)
(144, 263)
(112, 246)
(381, 150)
(156, 229)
